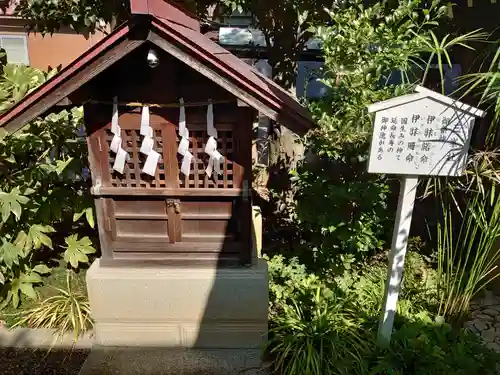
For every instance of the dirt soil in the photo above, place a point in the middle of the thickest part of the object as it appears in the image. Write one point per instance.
(41, 362)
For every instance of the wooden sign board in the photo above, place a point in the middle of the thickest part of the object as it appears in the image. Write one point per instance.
(421, 134)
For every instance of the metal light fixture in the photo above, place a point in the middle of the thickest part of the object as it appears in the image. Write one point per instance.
(153, 59)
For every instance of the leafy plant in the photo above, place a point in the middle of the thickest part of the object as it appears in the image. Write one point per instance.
(19, 80)
(467, 233)
(328, 327)
(289, 279)
(372, 53)
(418, 349)
(82, 16)
(77, 250)
(467, 236)
(68, 310)
(418, 296)
(439, 50)
(316, 338)
(42, 192)
(486, 84)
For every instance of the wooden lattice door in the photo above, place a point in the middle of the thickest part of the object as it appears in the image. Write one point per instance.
(171, 215)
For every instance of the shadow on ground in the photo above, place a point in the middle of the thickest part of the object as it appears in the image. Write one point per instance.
(27, 361)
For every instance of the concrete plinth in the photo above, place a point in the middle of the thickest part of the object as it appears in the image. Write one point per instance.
(171, 307)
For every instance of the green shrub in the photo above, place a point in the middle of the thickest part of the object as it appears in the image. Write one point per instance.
(313, 330)
(288, 281)
(318, 339)
(320, 327)
(468, 228)
(67, 309)
(45, 205)
(342, 209)
(418, 349)
(418, 299)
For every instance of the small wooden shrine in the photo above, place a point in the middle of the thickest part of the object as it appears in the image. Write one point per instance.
(168, 115)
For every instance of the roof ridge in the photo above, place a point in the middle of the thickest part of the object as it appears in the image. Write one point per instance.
(165, 9)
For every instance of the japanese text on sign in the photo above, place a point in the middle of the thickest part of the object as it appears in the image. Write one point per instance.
(424, 138)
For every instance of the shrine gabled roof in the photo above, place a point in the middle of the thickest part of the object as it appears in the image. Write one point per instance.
(177, 34)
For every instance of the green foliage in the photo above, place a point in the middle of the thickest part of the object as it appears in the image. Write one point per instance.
(314, 328)
(433, 350)
(42, 191)
(288, 279)
(367, 51)
(418, 299)
(11, 203)
(285, 26)
(342, 209)
(81, 15)
(467, 235)
(18, 81)
(322, 337)
(321, 327)
(77, 250)
(67, 310)
(469, 226)
(440, 49)
(486, 85)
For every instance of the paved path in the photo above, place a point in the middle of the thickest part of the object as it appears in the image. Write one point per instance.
(485, 320)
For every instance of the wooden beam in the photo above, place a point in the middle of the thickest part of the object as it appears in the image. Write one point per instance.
(156, 259)
(120, 191)
(64, 102)
(152, 216)
(211, 75)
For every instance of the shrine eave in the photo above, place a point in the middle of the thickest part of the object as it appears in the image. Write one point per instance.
(184, 43)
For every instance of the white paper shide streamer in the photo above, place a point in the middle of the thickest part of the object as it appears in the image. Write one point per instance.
(216, 158)
(147, 144)
(183, 149)
(116, 143)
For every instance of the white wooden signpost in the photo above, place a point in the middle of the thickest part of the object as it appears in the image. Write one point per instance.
(420, 134)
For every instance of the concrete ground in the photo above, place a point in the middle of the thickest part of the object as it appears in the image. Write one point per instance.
(161, 361)
(27, 351)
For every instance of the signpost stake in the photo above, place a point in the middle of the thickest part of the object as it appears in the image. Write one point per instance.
(418, 134)
(397, 257)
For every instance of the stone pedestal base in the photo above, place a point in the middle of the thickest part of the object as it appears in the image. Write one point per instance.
(179, 307)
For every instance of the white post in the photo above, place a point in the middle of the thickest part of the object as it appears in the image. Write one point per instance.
(397, 257)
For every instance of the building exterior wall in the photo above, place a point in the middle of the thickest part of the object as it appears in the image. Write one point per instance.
(58, 49)
(50, 50)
